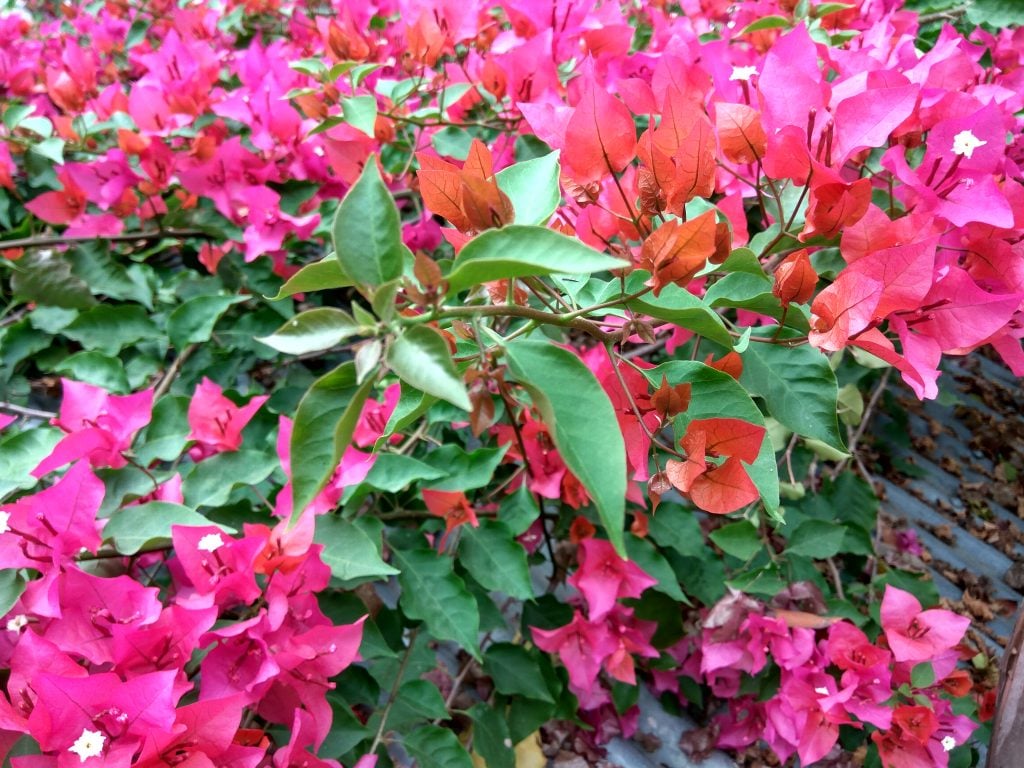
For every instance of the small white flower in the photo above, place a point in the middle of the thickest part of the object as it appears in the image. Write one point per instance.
(965, 142)
(211, 542)
(948, 742)
(89, 744)
(823, 691)
(4, 518)
(17, 623)
(743, 73)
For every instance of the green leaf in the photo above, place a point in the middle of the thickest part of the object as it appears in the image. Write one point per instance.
(996, 13)
(495, 559)
(352, 547)
(673, 304)
(21, 452)
(431, 593)
(416, 700)
(719, 395)
(521, 251)
(582, 423)
(516, 672)
(644, 554)
(211, 481)
(97, 369)
(312, 331)
(491, 737)
(817, 539)
(106, 277)
(766, 22)
(11, 587)
(167, 433)
(434, 747)
(677, 528)
(361, 113)
(922, 675)
(411, 405)
(464, 471)
(392, 472)
(147, 526)
(367, 231)
(324, 423)
(799, 388)
(45, 278)
(738, 539)
(193, 321)
(420, 358)
(15, 113)
(319, 276)
(109, 328)
(533, 188)
(51, 148)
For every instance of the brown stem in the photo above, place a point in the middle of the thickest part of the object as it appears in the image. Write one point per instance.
(45, 241)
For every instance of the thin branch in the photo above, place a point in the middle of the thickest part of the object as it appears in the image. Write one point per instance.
(46, 241)
(172, 371)
(20, 410)
(393, 693)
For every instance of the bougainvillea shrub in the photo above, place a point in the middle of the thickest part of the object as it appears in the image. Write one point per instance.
(413, 382)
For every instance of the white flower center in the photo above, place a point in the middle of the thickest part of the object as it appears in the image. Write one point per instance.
(965, 142)
(4, 517)
(89, 744)
(823, 691)
(211, 542)
(948, 742)
(743, 73)
(15, 624)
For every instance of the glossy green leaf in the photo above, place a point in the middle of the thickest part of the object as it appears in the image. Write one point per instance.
(45, 278)
(434, 747)
(11, 587)
(319, 276)
(464, 470)
(412, 404)
(352, 548)
(533, 188)
(522, 251)
(817, 539)
(417, 700)
(420, 357)
(193, 321)
(433, 594)
(491, 737)
(766, 22)
(360, 112)
(647, 557)
(324, 423)
(516, 672)
(392, 472)
(167, 433)
(109, 327)
(95, 368)
(367, 231)
(133, 529)
(582, 423)
(312, 331)
(211, 481)
(799, 388)
(739, 539)
(21, 452)
(674, 305)
(495, 559)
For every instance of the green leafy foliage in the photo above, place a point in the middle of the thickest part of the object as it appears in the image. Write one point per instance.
(420, 357)
(367, 234)
(352, 548)
(582, 424)
(147, 526)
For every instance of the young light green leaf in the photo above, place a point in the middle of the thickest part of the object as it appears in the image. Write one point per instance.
(582, 423)
(433, 594)
(420, 358)
(318, 276)
(361, 113)
(521, 251)
(495, 559)
(799, 388)
(133, 529)
(532, 186)
(352, 548)
(193, 321)
(367, 231)
(11, 587)
(312, 331)
(324, 422)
